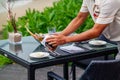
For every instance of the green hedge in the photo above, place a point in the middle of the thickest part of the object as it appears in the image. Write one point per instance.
(4, 60)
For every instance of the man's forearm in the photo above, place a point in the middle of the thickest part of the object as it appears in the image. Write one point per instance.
(82, 36)
(89, 34)
(72, 27)
(75, 23)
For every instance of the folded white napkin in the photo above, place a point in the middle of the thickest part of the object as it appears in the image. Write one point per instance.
(44, 40)
(45, 44)
(72, 49)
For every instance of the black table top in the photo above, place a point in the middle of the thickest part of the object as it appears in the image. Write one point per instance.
(20, 53)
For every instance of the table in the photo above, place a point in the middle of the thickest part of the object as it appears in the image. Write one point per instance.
(20, 54)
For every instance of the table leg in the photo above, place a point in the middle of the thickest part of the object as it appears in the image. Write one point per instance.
(31, 74)
(73, 71)
(65, 71)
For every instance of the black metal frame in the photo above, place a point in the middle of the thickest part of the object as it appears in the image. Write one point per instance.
(51, 76)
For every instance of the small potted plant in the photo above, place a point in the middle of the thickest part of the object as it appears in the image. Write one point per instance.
(13, 35)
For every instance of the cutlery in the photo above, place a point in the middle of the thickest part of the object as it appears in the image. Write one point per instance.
(54, 53)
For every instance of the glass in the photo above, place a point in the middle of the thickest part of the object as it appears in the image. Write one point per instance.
(15, 38)
(51, 30)
(118, 46)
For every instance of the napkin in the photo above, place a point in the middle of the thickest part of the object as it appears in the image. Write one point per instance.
(44, 40)
(72, 49)
(45, 44)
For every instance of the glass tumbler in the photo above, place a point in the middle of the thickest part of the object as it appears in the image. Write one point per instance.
(51, 30)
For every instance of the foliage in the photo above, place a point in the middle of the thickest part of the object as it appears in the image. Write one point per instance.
(8, 5)
(4, 60)
(59, 16)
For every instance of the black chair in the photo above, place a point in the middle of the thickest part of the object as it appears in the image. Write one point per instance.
(84, 63)
(96, 70)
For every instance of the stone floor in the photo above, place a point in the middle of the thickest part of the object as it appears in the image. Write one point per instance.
(17, 72)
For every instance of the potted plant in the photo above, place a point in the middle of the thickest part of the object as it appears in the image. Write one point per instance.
(13, 35)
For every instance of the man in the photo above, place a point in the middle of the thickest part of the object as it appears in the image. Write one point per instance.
(106, 15)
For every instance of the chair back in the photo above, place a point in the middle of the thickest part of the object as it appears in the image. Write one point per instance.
(102, 70)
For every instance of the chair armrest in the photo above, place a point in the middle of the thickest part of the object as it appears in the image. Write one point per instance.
(51, 76)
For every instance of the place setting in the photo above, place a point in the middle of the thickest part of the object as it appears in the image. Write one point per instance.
(92, 44)
(72, 48)
(97, 43)
(39, 55)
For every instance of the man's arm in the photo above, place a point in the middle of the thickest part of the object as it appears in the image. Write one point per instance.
(75, 23)
(89, 34)
(59, 39)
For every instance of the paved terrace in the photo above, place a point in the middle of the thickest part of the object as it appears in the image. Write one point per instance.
(17, 72)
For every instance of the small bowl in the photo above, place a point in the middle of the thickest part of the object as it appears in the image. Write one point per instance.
(97, 43)
(38, 55)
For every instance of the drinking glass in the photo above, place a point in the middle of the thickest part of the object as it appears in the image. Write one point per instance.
(51, 30)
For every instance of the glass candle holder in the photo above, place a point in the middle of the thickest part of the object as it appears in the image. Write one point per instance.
(15, 38)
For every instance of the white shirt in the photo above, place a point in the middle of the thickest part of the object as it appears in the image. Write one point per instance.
(105, 12)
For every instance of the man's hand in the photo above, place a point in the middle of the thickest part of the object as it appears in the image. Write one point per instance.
(56, 39)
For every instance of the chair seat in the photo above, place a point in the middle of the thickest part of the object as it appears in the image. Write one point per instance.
(84, 63)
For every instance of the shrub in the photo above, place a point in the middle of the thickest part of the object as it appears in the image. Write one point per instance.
(59, 16)
(4, 60)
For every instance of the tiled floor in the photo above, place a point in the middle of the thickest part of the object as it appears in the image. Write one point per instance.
(17, 72)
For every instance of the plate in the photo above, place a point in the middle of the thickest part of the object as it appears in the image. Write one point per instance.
(39, 55)
(97, 43)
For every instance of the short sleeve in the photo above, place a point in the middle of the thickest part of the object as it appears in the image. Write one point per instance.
(108, 11)
(84, 7)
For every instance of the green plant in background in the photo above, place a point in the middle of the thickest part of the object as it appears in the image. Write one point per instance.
(8, 5)
(59, 16)
(4, 60)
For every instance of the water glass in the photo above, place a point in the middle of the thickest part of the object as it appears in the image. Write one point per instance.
(51, 30)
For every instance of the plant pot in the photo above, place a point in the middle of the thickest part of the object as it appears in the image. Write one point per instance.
(15, 38)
